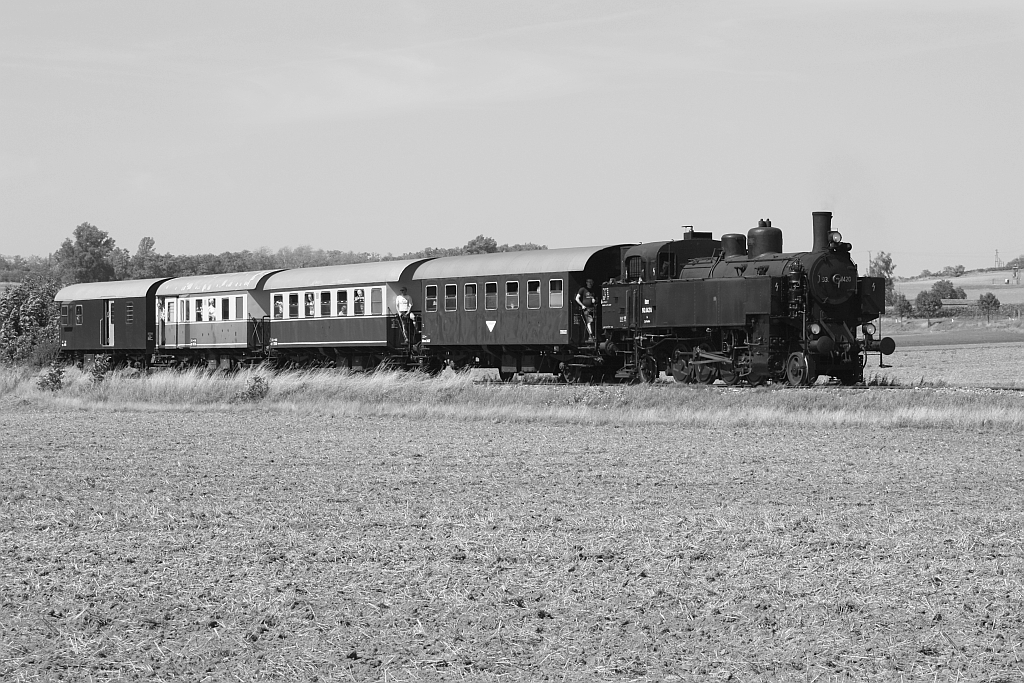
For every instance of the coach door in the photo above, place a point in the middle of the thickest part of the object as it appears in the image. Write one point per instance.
(107, 324)
(169, 324)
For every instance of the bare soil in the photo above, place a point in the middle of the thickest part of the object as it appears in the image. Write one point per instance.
(257, 544)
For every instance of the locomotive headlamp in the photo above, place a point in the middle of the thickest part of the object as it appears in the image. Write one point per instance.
(835, 237)
(815, 328)
(868, 329)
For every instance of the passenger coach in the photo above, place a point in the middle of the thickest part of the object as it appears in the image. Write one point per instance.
(342, 315)
(514, 311)
(213, 319)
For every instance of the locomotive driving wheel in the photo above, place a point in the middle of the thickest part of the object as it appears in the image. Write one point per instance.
(728, 373)
(800, 370)
(704, 371)
(680, 365)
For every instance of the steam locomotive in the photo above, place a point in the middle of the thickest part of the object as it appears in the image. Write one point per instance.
(734, 310)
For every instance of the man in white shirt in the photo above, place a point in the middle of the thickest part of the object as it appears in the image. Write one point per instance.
(403, 303)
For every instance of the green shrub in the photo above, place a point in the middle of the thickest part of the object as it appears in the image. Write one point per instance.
(256, 389)
(53, 380)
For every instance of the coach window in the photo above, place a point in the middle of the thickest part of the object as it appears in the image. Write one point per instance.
(512, 295)
(554, 294)
(129, 313)
(309, 310)
(78, 315)
(325, 304)
(197, 304)
(170, 312)
(186, 311)
(293, 305)
(239, 308)
(211, 309)
(451, 297)
(63, 315)
(490, 296)
(278, 306)
(470, 303)
(377, 301)
(430, 299)
(342, 301)
(358, 301)
(533, 293)
(225, 308)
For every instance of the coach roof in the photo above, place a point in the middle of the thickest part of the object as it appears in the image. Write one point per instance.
(350, 274)
(122, 289)
(510, 263)
(201, 284)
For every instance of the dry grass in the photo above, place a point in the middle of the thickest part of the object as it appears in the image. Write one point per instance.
(459, 397)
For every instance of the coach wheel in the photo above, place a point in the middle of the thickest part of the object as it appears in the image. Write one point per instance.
(800, 370)
(647, 369)
(703, 371)
(506, 376)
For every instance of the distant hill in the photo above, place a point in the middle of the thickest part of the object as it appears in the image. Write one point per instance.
(974, 284)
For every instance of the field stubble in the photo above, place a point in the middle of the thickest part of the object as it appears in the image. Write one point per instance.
(406, 529)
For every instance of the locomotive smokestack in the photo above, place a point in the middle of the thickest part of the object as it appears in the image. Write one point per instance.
(822, 227)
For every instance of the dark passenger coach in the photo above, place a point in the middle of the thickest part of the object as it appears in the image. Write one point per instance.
(112, 318)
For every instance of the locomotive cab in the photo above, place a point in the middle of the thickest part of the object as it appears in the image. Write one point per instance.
(665, 260)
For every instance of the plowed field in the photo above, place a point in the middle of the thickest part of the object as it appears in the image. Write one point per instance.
(251, 544)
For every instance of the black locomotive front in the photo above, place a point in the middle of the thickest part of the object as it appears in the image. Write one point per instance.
(748, 312)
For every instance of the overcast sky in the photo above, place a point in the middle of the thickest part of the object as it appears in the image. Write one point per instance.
(390, 126)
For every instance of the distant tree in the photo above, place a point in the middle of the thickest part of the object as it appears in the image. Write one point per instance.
(528, 246)
(953, 271)
(928, 304)
(883, 267)
(121, 260)
(481, 245)
(925, 273)
(987, 304)
(87, 258)
(29, 321)
(947, 290)
(146, 262)
(901, 306)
